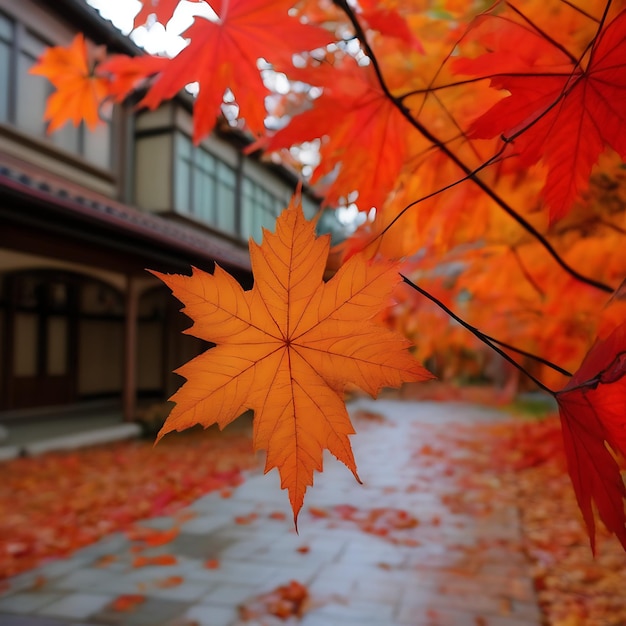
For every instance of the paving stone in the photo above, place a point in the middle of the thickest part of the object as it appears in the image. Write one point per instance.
(27, 602)
(151, 612)
(29, 620)
(230, 594)
(77, 605)
(205, 524)
(85, 579)
(354, 609)
(210, 615)
(202, 546)
(62, 567)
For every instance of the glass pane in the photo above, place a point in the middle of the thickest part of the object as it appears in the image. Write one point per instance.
(98, 145)
(226, 174)
(206, 161)
(31, 45)
(279, 205)
(226, 208)
(67, 137)
(25, 342)
(309, 207)
(100, 299)
(32, 92)
(182, 175)
(5, 58)
(184, 147)
(182, 188)
(57, 346)
(6, 28)
(247, 218)
(58, 296)
(29, 292)
(203, 196)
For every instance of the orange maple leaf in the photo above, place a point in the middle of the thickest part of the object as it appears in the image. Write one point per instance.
(224, 54)
(558, 110)
(593, 414)
(79, 92)
(287, 349)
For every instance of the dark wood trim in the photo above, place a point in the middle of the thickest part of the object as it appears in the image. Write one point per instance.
(129, 384)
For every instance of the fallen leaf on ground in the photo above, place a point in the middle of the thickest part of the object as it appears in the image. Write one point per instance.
(290, 600)
(170, 581)
(127, 602)
(53, 504)
(162, 559)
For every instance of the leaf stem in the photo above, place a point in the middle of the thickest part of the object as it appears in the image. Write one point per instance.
(429, 136)
(486, 339)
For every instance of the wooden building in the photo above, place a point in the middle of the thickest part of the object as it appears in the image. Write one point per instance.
(84, 214)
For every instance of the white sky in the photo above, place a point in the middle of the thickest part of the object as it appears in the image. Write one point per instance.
(157, 38)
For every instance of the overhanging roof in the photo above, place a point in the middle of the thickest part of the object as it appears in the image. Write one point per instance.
(35, 200)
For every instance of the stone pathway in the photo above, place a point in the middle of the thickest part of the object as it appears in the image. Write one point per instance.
(388, 553)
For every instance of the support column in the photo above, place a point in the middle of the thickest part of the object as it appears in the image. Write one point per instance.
(129, 399)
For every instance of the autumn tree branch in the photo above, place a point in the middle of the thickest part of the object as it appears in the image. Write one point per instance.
(490, 341)
(468, 171)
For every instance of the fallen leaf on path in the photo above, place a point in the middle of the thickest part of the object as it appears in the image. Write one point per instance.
(290, 600)
(152, 537)
(170, 581)
(55, 503)
(127, 603)
(162, 559)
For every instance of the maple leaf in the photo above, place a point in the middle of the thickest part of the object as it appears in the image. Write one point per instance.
(287, 349)
(79, 92)
(129, 73)
(352, 111)
(224, 54)
(593, 414)
(162, 9)
(557, 111)
(390, 23)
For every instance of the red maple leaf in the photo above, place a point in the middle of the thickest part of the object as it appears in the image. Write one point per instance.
(558, 111)
(128, 73)
(352, 111)
(162, 9)
(593, 417)
(223, 54)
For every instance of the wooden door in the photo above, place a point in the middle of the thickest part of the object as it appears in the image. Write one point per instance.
(41, 340)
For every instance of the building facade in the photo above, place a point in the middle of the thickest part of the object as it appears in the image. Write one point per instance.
(84, 213)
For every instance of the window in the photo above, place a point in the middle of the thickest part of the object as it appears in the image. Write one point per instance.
(205, 186)
(259, 209)
(6, 39)
(238, 202)
(23, 97)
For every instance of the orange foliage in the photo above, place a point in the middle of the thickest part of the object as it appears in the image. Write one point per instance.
(79, 93)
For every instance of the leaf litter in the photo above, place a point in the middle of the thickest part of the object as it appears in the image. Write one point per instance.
(53, 504)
